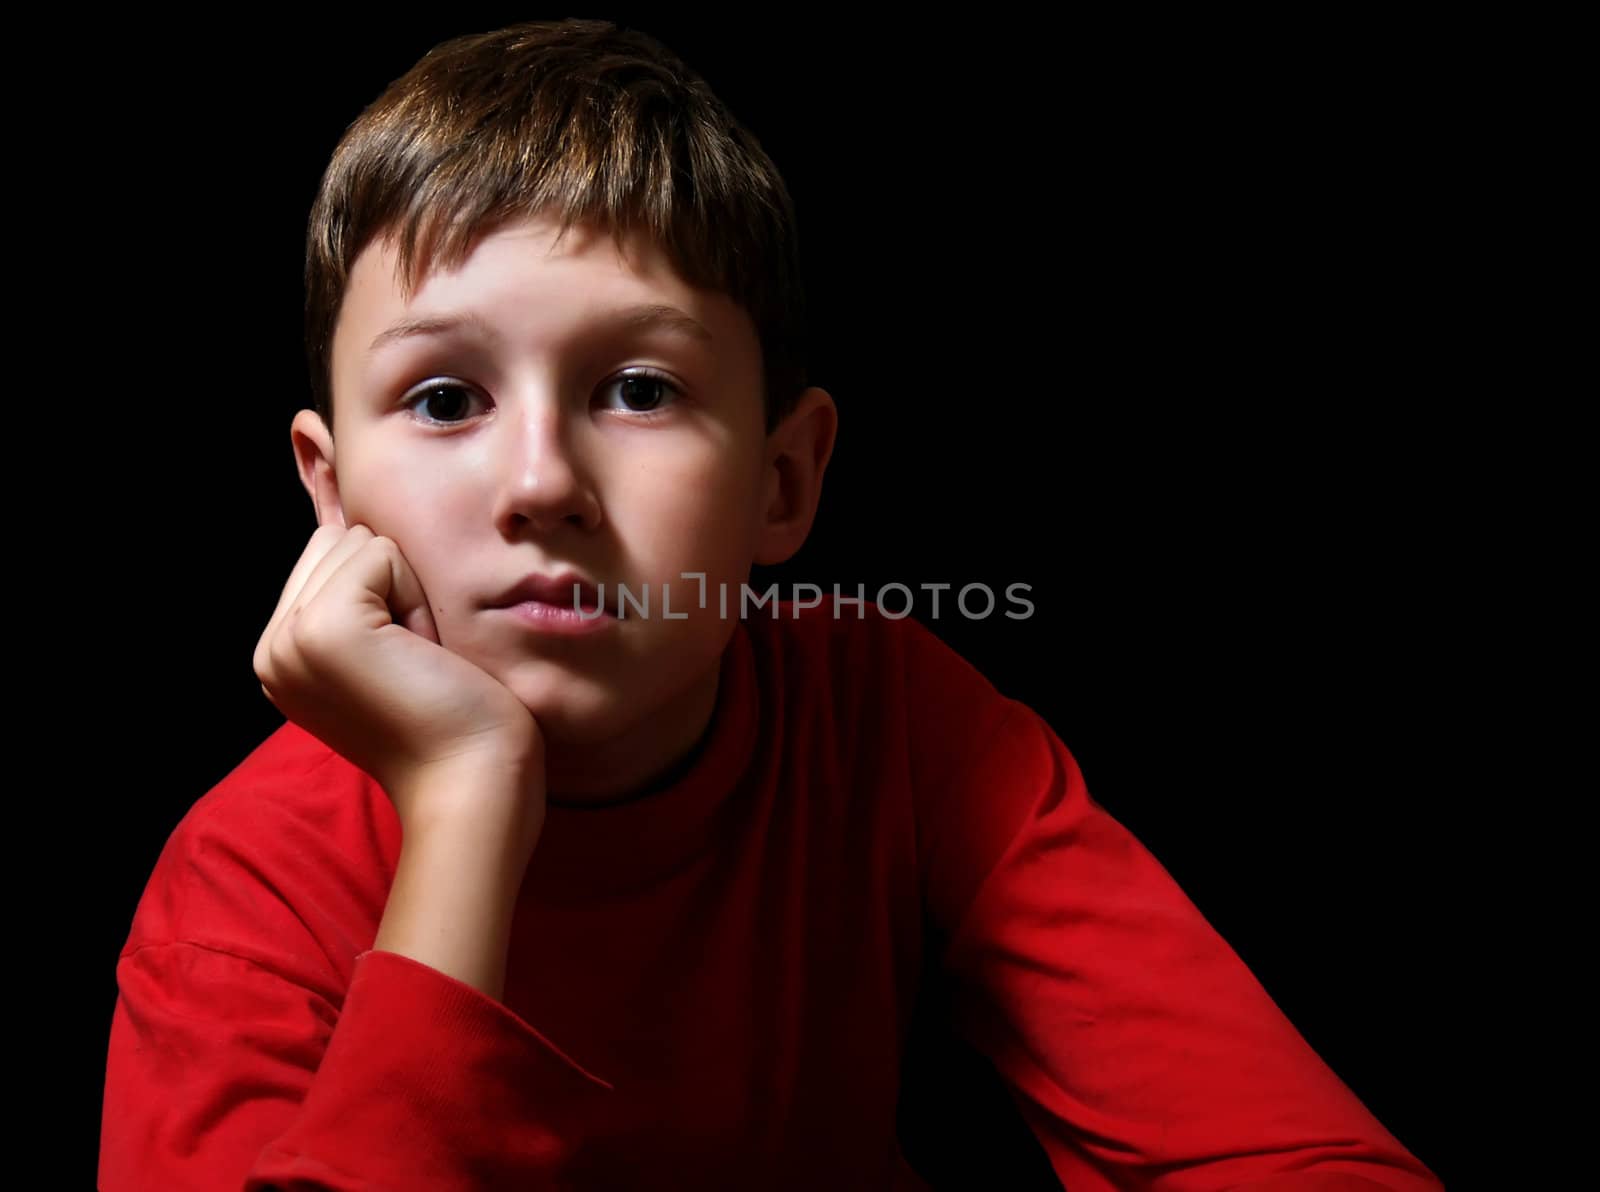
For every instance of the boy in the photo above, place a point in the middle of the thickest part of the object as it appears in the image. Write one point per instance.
(542, 885)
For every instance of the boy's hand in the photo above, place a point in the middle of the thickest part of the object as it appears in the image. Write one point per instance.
(353, 656)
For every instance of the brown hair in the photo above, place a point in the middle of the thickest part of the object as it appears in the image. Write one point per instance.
(578, 118)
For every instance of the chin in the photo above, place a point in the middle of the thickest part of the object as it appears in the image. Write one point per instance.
(569, 711)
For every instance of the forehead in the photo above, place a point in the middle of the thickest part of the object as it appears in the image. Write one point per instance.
(522, 287)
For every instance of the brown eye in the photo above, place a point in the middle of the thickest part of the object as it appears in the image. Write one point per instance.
(442, 401)
(642, 392)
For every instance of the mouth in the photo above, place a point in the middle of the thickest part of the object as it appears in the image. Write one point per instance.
(567, 590)
(560, 618)
(583, 599)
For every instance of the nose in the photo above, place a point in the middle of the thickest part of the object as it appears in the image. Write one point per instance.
(546, 483)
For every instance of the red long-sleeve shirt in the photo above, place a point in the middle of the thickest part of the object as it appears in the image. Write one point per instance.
(711, 986)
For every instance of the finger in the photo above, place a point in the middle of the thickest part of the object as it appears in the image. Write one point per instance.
(370, 578)
(321, 615)
(324, 553)
(322, 541)
(350, 541)
(408, 599)
(388, 575)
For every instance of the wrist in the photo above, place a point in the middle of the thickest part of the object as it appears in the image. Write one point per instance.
(482, 803)
(455, 887)
(451, 911)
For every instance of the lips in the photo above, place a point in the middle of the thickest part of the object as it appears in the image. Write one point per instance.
(550, 589)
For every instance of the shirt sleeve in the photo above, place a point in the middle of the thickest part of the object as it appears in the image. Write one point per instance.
(1134, 1041)
(223, 1074)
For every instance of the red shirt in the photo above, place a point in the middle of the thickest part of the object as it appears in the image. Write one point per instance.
(710, 986)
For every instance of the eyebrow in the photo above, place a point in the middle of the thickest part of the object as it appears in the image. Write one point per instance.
(654, 316)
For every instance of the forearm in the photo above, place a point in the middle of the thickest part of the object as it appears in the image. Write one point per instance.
(455, 891)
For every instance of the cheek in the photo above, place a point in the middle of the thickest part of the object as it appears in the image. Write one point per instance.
(426, 524)
(689, 519)
(415, 499)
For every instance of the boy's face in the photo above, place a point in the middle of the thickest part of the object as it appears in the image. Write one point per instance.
(514, 445)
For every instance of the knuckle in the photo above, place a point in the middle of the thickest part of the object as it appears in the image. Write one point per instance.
(279, 652)
(312, 633)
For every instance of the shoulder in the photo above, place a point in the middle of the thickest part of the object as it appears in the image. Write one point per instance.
(901, 709)
(287, 855)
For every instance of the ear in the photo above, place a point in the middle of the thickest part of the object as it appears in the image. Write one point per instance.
(313, 455)
(797, 454)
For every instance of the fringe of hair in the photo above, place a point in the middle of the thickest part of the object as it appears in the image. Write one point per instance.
(579, 120)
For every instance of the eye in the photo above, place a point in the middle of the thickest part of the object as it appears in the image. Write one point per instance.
(443, 396)
(643, 393)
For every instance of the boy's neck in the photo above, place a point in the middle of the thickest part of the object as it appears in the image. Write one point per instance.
(654, 755)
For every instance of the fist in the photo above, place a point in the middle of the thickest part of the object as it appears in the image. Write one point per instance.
(352, 655)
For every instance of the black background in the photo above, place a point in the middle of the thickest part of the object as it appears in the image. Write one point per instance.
(1141, 316)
